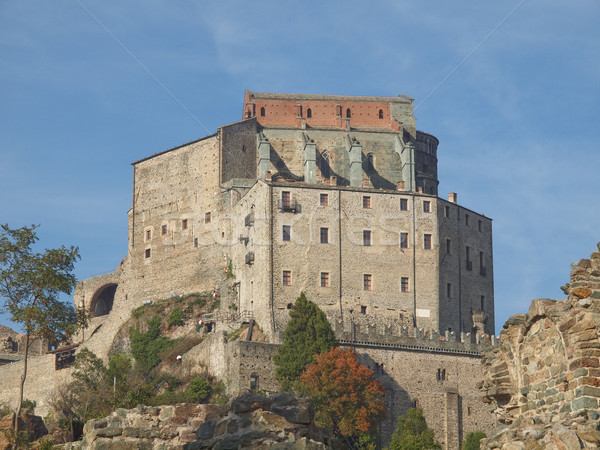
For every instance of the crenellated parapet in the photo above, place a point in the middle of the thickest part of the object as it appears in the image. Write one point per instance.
(410, 338)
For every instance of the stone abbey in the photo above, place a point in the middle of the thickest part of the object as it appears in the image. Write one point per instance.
(333, 196)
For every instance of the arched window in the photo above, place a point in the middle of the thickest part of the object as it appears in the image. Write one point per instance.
(348, 113)
(369, 166)
(325, 167)
(262, 111)
(381, 113)
(308, 113)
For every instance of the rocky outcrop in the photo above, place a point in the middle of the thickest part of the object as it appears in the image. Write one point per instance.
(249, 421)
(543, 380)
(30, 424)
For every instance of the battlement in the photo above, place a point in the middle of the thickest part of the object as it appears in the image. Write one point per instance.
(411, 338)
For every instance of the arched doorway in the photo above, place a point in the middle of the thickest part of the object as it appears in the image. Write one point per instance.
(102, 301)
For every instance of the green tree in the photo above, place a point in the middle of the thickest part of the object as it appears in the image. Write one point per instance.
(200, 389)
(472, 439)
(30, 286)
(147, 347)
(412, 433)
(307, 333)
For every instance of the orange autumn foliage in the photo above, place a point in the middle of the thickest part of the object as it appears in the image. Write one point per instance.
(345, 396)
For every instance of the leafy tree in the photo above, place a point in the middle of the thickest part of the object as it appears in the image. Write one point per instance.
(472, 439)
(200, 389)
(412, 433)
(307, 334)
(30, 285)
(345, 396)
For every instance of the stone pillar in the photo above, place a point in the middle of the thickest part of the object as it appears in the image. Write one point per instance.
(452, 420)
(355, 163)
(310, 162)
(264, 157)
(407, 156)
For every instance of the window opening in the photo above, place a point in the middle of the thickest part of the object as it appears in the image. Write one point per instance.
(324, 235)
(363, 309)
(447, 211)
(404, 284)
(164, 230)
(403, 240)
(148, 253)
(480, 225)
(207, 217)
(148, 234)
(449, 291)
(366, 202)
(381, 113)
(427, 241)
(262, 111)
(367, 238)
(287, 277)
(448, 246)
(286, 199)
(367, 283)
(287, 232)
(348, 113)
(253, 381)
(426, 206)
(184, 224)
(324, 199)
(324, 279)
(308, 113)
(403, 204)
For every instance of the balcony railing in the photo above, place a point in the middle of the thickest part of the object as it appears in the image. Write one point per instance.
(291, 205)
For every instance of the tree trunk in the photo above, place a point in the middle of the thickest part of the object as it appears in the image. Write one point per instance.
(23, 378)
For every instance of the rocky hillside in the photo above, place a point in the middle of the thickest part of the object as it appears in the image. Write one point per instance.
(248, 421)
(543, 380)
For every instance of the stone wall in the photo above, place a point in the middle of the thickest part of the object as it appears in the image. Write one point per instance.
(546, 371)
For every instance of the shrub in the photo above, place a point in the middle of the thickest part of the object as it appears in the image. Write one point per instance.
(472, 439)
(147, 347)
(175, 318)
(200, 389)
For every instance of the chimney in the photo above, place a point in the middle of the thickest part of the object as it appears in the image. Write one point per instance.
(420, 189)
(401, 185)
(452, 197)
(365, 182)
(333, 181)
(268, 175)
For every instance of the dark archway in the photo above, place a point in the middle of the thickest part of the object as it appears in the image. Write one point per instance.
(103, 299)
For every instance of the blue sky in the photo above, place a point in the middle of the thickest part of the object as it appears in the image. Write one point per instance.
(88, 87)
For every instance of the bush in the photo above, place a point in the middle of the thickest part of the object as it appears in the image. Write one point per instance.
(472, 439)
(147, 347)
(175, 318)
(28, 405)
(200, 389)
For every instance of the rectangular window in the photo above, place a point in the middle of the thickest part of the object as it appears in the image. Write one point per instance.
(207, 217)
(482, 303)
(404, 284)
(426, 206)
(449, 290)
(367, 282)
(363, 309)
(148, 235)
(469, 263)
(447, 211)
(324, 235)
(184, 224)
(482, 269)
(427, 241)
(448, 246)
(287, 277)
(324, 279)
(403, 204)
(467, 219)
(403, 240)
(287, 232)
(164, 230)
(195, 242)
(286, 199)
(148, 253)
(480, 225)
(324, 200)
(366, 202)
(367, 238)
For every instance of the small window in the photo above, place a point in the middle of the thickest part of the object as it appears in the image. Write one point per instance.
(427, 241)
(367, 238)
(348, 113)
(441, 374)
(367, 282)
(148, 253)
(480, 225)
(195, 242)
(148, 235)
(404, 284)
(449, 290)
(426, 206)
(286, 199)
(324, 235)
(253, 381)
(164, 230)
(468, 410)
(207, 217)
(287, 277)
(262, 111)
(366, 202)
(381, 113)
(448, 247)
(287, 232)
(289, 306)
(467, 219)
(308, 113)
(403, 204)
(184, 224)
(324, 279)
(324, 200)
(363, 309)
(447, 211)
(403, 240)
(482, 303)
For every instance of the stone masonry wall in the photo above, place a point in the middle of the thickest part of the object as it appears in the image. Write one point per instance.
(546, 371)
